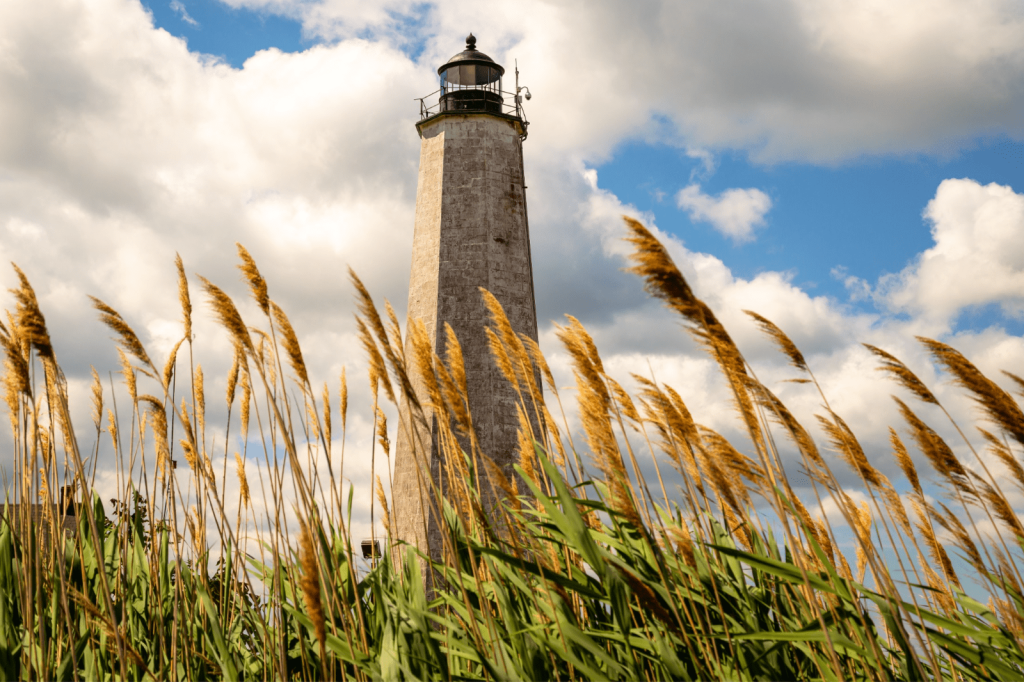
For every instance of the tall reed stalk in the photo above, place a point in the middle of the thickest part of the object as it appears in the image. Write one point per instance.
(725, 569)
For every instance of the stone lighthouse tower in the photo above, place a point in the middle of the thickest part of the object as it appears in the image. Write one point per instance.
(471, 232)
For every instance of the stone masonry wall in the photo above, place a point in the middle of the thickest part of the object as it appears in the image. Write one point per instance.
(471, 231)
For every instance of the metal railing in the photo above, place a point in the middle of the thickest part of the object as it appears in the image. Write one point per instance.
(470, 100)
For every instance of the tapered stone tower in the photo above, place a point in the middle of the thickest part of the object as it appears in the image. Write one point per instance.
(471, 232)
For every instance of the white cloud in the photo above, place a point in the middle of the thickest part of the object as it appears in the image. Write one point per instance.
(179, 7)
(735, 212)
(977, 259)
(120, 148)
(797, 79)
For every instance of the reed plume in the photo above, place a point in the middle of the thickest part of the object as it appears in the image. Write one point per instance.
(257, 285)
(343, 399)
(183, 297)
(310, 584)
(243, 481)
(904, 377)
(937, 451)
(290, 342)
(228, 316)
(785, 344)
(383, 500)
(996, 403)
(97, 399)
(31, 324)
(129, 340)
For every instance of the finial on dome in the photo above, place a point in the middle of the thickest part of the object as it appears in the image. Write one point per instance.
(470, 42)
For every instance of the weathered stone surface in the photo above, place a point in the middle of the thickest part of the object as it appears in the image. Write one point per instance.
(471, 231)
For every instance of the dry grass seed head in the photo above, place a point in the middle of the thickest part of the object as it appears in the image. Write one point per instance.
(129, 340)
(383, 500)
(556, 437)
(326, 397)
(587, 373)
(257, 285)
(496, 477)
(243, 481)
(721, 483)
(527, 454)
(16, 376)
(310, 581)
(736, 465)
(501, 358)
(940, 589)
(904, 460)
(228, 315)
(455, 399)
(680, 534)
(397, 358)
(291, 345)
(897, 511)
(158, 423)
(378, 370)
(191, 458)
(232, 386)
(169, 366)
(962, 539)
(825, 540)
(97, 399)
(784, 343)
(1009, 617)
(624, 402)
(539, 361)
(311, 422)
(778, 411)
(513, 345)
(937, 451)
(246, 399)
(587, 342)
(129, 375)
(1017, 380)
(453, 358)
(197, 530)
(1002, 509)
(677, 431)
(903, 375)
(200, 389)
(343, 399)
(849, 448)
(1003, 453)
(382, 432)
(30, 321)
(424, 356)
(183, 297)
(935, 549)
(394, 330)
(997, 404)
(112, 428)
(186, 422)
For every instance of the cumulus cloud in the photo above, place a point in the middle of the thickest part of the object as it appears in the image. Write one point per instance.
(120, 148)
(794, 80)
(735, 212)
(977, 259)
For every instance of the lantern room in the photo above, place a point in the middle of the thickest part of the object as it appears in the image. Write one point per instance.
(471, 81)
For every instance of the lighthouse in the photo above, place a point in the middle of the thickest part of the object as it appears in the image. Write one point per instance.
(471, 232)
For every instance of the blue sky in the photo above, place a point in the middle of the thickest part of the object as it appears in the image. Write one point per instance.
(851, 169)
(861, 216)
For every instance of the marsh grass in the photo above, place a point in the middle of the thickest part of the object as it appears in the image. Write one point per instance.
(591, 573)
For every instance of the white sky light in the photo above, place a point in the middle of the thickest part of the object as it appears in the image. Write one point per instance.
(119, 147)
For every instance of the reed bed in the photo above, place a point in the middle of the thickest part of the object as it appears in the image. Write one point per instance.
(586, 570)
